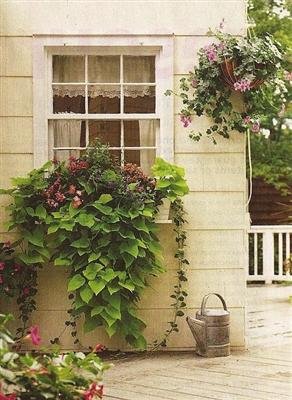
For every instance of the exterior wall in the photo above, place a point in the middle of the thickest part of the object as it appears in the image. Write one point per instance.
(216, 174)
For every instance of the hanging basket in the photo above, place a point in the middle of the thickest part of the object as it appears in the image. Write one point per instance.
(228, 67)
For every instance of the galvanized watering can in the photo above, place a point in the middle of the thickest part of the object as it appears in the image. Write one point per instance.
(211, 329)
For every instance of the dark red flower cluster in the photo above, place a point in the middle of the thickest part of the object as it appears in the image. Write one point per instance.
(76, 165)
(134, 174)
(54, 195)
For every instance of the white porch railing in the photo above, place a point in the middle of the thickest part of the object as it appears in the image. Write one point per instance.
(268, 248)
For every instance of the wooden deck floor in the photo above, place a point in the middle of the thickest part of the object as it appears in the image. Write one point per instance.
(263, 372)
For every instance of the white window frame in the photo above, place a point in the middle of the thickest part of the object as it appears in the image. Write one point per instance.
(45, 46)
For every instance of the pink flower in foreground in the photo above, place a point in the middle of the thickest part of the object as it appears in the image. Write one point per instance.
(59, 197)
(185, 120)
(94, 390)
(26, 291)
(99, 347)
(34, 335)
(7, 397)
(246, 120)
(242, 85)
(2, 266)
(255, 127)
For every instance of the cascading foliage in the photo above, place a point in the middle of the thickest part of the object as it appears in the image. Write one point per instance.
(99, 219)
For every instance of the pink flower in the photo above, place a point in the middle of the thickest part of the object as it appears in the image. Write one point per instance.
(194, 83)
(79, 193)
(2, 266)
(185, 120)
(210, 52)
(17, 267)
(26, 291)
(255, 127)
(76, 202)
(34, 335)
(246, 120)
(60, 197)
(94, 390)
(242, 85)
(8, 397)
(72, 189)
(221, 46)
(99, 347)
(1, 279)
(52, 203)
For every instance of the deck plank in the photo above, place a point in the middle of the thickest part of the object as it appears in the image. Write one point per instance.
(264, 372)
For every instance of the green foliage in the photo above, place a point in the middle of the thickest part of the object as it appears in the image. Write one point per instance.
(169, 179)
(271, 157)
(229, 64)
(272, 161)
(97, 218)
(72, 376)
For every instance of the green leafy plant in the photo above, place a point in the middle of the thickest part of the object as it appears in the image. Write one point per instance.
(19, 281)
(98, 218)
(71, 376)
(169, 179)
(231, 64)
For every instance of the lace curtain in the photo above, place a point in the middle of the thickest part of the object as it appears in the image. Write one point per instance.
(103, 69)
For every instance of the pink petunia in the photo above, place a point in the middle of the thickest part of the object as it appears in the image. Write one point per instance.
(210, 52)
(34, 335)
(72, 189)
(93, 391)
(76, 202)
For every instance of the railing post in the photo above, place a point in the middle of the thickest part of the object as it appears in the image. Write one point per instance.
(268, 256)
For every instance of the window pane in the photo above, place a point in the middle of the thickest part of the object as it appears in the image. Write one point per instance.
(143, 158)
(116, 154)
(108, 132)
(68, 99)
(139, 99)
(139, 69)
(63, 155)
(102, 69)
(69, 133)
(139, 133)
(68, 69)
(104, 99)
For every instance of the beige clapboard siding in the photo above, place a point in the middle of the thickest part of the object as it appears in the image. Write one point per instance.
(16, 135)
(123, 17)
(157, 295)
(215, 210)
(13, 165)
(16, 56)
(183, 144)
(16, 96)
(213, 172)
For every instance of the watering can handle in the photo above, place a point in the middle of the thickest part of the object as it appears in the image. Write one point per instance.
(205, 298)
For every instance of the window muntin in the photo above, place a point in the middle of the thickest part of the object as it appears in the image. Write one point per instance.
(110, 97)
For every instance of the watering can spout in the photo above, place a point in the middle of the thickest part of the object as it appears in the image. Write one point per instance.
(198, 329)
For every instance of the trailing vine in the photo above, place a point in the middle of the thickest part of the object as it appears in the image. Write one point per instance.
(179, 294)
(99, 219)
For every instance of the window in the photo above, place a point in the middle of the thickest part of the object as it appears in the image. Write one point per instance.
(106, 88)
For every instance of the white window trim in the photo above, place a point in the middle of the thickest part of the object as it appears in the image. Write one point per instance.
(43, 48)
